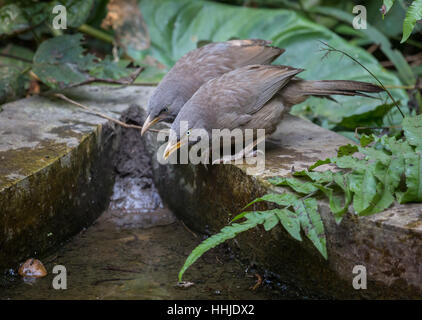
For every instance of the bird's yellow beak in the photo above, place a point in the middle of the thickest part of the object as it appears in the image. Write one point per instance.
(173, 147)
(149, 123)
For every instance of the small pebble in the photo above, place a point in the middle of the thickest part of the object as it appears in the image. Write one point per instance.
(32, 268)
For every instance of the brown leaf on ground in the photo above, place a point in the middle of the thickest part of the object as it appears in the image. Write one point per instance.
(128, 24)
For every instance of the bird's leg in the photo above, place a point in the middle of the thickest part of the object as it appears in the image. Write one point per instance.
(246, 152)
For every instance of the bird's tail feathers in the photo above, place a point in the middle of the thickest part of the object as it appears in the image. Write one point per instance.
(298, 91)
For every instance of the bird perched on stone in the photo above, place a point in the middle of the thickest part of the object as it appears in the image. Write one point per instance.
(200, 65)
(252, 97)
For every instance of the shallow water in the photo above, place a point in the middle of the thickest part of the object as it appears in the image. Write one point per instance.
(108, 261)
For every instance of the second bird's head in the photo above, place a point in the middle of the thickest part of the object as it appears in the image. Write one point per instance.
(189, 128)
(164, 105)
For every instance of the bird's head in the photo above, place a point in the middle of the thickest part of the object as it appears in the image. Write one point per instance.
(189, 127)
(164, 105)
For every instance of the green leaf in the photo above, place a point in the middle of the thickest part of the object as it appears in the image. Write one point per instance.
(388, 4)
(226, 233)
(319, 163)
(366, 140)
(290, 222)
(347, 150)
(267, 218)
(390, 179)
(413, 172)
(271, 222)
(12, 83)
(371, 118)
(335, 203)
(283, 199)
(413, 14)
(296, 184)
(318, 177)
(367, 191)
(12, 20)
(311, 223)
(349, 162)
(412, 127)
(376, 154)
(60, 62)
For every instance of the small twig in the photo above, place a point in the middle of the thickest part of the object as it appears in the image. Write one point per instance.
(332, 49)
(129, 80)
(87, 109)
(111, 268)
(101, 35)
(189, 230)
(413, 58)
(392, 86)
(258, 282)
(109, 280)
(11, 56)
(148, 84)
(374, 47)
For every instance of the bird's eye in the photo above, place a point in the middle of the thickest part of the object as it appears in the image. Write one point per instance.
(166, 109)
(188, 132)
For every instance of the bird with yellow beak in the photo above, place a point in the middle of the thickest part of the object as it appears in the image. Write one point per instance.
(199, 66)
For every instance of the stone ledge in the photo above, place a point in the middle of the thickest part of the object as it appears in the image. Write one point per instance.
(56, 168)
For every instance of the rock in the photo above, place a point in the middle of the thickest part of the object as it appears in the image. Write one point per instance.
(32, 268)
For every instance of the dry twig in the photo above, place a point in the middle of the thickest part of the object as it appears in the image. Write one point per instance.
(87, 109)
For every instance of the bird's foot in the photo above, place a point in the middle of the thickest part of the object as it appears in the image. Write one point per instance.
(240, 155)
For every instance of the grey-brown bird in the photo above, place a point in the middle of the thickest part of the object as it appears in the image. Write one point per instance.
(252, 97)
(200, 65)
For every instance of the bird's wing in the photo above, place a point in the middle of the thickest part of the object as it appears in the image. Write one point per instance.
(217, 58)
(237, 95)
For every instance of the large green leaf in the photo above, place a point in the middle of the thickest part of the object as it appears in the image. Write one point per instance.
(311, 223)
(413, 14)
(413, 171)
(177, 26)
(12, 83)
(60, 62)
(371, 118)
(13, 79)
(296, 184)
(412, 127)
